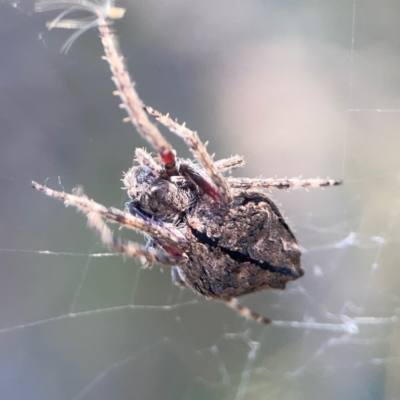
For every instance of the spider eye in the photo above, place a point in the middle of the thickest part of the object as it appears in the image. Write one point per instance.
(158, 192)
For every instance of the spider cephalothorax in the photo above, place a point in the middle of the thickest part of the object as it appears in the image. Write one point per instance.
(221, 236)
(158, 196)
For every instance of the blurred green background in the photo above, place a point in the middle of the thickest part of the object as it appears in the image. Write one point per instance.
(308, 88)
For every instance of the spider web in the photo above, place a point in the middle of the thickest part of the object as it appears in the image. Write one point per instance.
(298, 88)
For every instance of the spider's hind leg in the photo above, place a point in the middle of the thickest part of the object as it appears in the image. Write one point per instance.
(246, 312)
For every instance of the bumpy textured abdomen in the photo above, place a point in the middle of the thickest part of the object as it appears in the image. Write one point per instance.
(241, 249)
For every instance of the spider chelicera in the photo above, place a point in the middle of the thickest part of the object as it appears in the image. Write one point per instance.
(221, 236)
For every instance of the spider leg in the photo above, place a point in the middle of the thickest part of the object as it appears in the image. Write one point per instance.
(268, 183)
(128, 248)
(166, 235)
(229, 163)
(104, 14)
(246, 312)
(130, 99)
(198, 149)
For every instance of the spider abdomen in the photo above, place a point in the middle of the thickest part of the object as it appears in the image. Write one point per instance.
(239, 249)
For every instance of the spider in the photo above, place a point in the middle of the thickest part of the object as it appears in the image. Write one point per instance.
(221, 236)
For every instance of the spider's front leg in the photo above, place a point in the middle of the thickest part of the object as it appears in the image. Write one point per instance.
(169, 236)
(130, 99)
(128, 248)
(229, 163)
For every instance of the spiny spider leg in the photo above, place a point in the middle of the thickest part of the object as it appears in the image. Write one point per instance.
(229, 163)
(131, 101)
(167, 235)
(268, 183)
(198, 149)
(104, 13)
(128, 248)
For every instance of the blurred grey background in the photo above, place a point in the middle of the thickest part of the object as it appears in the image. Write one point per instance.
(308, 88)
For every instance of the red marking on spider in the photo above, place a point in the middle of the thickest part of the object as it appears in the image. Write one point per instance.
(168, 158)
